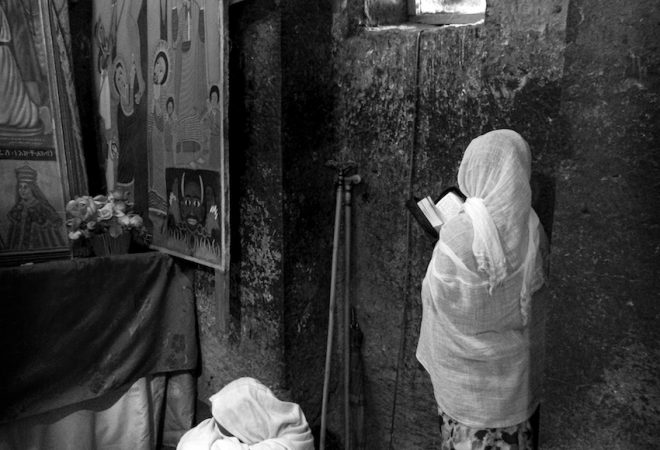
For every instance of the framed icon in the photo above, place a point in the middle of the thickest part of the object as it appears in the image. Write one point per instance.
(160, 66)
(41, 159)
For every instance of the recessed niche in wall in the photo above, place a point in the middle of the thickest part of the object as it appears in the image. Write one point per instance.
(445, 12)
(432, 12)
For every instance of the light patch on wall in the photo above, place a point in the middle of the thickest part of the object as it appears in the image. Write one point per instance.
(447, 12)
(450, 6)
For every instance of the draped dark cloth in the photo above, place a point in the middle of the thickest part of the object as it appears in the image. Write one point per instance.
(74, 330)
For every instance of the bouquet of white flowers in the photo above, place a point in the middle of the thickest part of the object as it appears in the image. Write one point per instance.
(110, 214)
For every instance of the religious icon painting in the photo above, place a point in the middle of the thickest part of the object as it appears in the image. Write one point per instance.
(41, 161)
(121, 75)
(192, 224)
(160, 71)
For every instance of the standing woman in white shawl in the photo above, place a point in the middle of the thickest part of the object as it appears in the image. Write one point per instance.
(482, 332)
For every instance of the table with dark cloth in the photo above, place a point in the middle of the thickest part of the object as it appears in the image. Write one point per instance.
(74, 330)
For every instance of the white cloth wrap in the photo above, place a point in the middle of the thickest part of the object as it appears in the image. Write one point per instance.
(481, 338)
(255, 417)
(486, 245)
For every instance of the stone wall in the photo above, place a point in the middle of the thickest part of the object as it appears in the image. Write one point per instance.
(254, 344)
(281, 100)
(602, 375)
(308, 193)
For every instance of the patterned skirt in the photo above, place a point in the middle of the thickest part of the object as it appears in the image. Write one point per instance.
(456, 436)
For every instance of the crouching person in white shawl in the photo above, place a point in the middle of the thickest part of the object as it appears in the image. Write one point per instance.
(482, 332)
(246, 415)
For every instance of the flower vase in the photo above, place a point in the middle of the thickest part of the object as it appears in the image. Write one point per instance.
(105, 245)
(81, 248)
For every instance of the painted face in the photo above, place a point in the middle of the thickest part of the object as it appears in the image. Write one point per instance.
(160, 69)
(126, 192)
(123, 86)
(192, 210)
(120, 81)
(104, 47)
(24, 191)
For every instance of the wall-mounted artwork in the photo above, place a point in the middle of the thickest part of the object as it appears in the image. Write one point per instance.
(161, 106)
(41, 163)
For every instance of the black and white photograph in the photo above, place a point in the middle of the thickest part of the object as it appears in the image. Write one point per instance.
(329, 224)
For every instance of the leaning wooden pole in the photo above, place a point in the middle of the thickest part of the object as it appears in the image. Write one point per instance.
(331, 310)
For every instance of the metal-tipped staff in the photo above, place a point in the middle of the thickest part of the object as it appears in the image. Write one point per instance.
(348, 183)
(342, 167)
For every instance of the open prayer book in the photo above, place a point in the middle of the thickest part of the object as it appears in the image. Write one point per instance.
(432, 214)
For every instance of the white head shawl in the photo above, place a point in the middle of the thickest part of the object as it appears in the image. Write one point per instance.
(494, 175)
(251, 412)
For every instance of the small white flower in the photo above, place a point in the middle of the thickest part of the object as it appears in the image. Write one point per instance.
(105, 213)
(124, 220)
(73, 235)
(134, 220)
